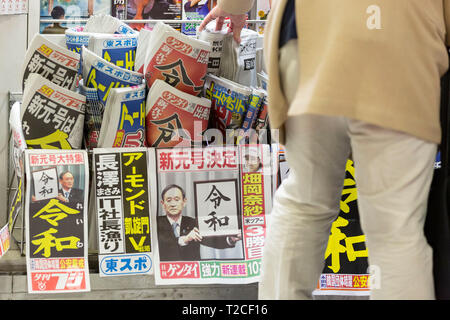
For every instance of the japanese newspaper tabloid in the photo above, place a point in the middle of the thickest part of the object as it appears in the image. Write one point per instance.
(215, 38)
(103, 75)
(209, 207)
(174, 117)
(346, 256)
(122, 206)
(119, 49)
(52, 116)
(179, 60)
(56, 235)
(53, 62)
(123, 122)
(239, 60)
(229, 102)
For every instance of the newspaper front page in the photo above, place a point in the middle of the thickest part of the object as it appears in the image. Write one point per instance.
(52, 116)
(209, 207)
(123, 211)
(56, 220)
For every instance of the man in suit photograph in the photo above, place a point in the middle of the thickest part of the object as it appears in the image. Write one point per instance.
(178, 235)
(67, 193)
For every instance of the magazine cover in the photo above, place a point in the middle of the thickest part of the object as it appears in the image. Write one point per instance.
(53, 62)
(209, 206)
(194, 10)
(52, 116)
(145, 10)
(262, 12)
(123, 123)
(177, 59)
(175, 118)
(56, 219)
(122, 208)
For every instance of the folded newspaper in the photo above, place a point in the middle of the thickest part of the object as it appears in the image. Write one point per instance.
(229, 103)
(105, 23)
(238, 60)
(177, 59)
(141, 50)
(216, 39)
(175, 118)
(53, 62)
(104, 76)
(52, 116)
(123, 123)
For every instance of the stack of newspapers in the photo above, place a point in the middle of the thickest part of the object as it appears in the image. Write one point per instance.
(113, 86)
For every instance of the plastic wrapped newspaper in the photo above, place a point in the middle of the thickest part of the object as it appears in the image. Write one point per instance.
(103, 75)
(177, 59)
(52, 116)
(141, 50)
(123, 122)
(223, 201)
(229, 104)
(239, 60)
(122, 202)
(175, 118)
(56, 220)
(215, 38)
(104, 23)
(53, 62)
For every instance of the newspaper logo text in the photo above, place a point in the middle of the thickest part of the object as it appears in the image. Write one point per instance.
(45, 50)
(47, 91)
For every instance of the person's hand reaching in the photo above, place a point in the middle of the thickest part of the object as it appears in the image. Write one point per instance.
(237, 22)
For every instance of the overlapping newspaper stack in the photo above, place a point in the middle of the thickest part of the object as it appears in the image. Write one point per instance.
(175, 118)
(52, 62)
(107, 37)
(215, 39)
(52, 116)
(177, 59)
(123, 123)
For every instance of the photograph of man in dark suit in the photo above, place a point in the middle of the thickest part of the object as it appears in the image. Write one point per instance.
(178, 235)
(67, 193)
